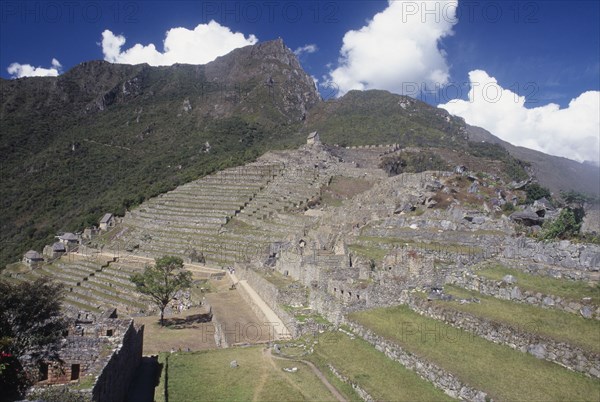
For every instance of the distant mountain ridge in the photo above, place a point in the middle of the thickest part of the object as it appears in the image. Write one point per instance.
(555, 172)
(104, 137)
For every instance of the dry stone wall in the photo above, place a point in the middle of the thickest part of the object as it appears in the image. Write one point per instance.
(503, 290)
(557, 259)
(274, 297)
(113, 382)
(523, 339)
(428, 371)
(364, 395)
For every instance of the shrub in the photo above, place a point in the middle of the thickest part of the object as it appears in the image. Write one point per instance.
(563, 227)
(534, 192)
(412, 162)
(508, 207)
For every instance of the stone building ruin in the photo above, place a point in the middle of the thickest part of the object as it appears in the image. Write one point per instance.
(101, 350)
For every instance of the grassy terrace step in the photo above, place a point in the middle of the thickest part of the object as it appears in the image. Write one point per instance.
(149, 220)
(203, 196)
(212, 237)
(146, 223)
(123, 271)
(220, 188)
(118, 286)
(504, 373)
(79, 305)
(557, 325)
(269, 231)
(203, 242)
(73, 270)
(67, 279)
(81, 298)
(133, 231)
(161, 216)
(382, 378)
(108, 290)
(200, 203)
(567, 289)
(211, 255)
(433, 246)
(101, 297)
(131, 297)
(108, 277)
(195, 205)
(201, 218)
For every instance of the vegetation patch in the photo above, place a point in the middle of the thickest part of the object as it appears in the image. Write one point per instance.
(369, 252)
(412, 162)
(256, 377)
(382, 378)
(433, 246)
(565, 288)
(558, 325)
(503, 373)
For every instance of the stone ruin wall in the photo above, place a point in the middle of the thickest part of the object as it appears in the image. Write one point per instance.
(82, 351)
(426, 370)
(557, 258)
(114, 380)
(274, 297)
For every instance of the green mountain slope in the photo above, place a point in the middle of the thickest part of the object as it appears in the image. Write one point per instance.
(104, 137)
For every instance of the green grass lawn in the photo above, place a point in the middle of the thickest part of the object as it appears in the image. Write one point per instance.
(277, 279)
(555, 324)
(207, 376)
(505, 374)
(382, 378)
(397, 241)
(565, 288)
(370, 252)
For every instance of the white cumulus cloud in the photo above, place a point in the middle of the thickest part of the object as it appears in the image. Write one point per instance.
(17, 70)
(398, 47)
(310, 48)
(572, 132)
(201, 45)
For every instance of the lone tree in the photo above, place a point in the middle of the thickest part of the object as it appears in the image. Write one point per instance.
(31, 327)
(162, 281)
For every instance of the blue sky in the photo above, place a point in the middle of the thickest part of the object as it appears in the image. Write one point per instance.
(548, 52)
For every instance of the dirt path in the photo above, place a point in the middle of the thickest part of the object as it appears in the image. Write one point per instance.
(267, 354)
(316, 371)
(261, 381)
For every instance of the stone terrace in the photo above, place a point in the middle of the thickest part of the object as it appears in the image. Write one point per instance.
(92, 284)
(193, 215)
(233, 214)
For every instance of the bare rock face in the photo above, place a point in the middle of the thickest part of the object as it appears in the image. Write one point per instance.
(265, 75)
(527, 218)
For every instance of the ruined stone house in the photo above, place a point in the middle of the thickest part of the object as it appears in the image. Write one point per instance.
(102, 350)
